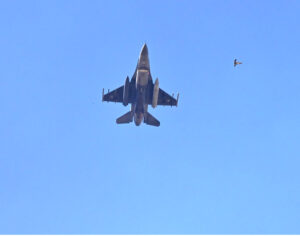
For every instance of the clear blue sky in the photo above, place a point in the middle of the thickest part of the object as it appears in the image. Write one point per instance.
(225, 161)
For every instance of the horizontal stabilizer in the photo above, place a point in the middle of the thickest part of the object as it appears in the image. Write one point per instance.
(127, 118)
(151, 120)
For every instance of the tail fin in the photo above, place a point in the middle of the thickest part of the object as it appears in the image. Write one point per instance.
(126, 118)
(150, 120)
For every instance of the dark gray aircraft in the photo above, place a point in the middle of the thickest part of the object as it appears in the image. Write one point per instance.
(140, 91)
(236, 62)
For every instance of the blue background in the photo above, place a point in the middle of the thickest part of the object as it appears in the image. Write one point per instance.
(226, 161)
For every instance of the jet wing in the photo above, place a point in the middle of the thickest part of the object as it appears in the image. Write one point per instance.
(114, 96)
(165, 99)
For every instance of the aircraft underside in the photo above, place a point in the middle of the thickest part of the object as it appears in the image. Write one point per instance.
(140, 92)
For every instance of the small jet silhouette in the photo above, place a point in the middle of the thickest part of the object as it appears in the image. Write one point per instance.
(235, 63)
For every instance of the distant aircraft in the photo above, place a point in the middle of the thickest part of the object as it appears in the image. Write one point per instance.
(140, 92)
(235, 63)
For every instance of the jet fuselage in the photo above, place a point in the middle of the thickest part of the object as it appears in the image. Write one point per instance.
(142, 81)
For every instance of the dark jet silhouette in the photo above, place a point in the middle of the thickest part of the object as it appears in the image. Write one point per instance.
(235, 63)
(140, 91)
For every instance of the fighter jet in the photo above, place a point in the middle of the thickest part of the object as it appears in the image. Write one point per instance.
(140, 92)
(235, 63)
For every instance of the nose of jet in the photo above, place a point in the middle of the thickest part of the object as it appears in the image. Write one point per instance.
(144, 51)
(143, 62)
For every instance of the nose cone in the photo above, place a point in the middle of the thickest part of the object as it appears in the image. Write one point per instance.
(144, 59)
(144, 51)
